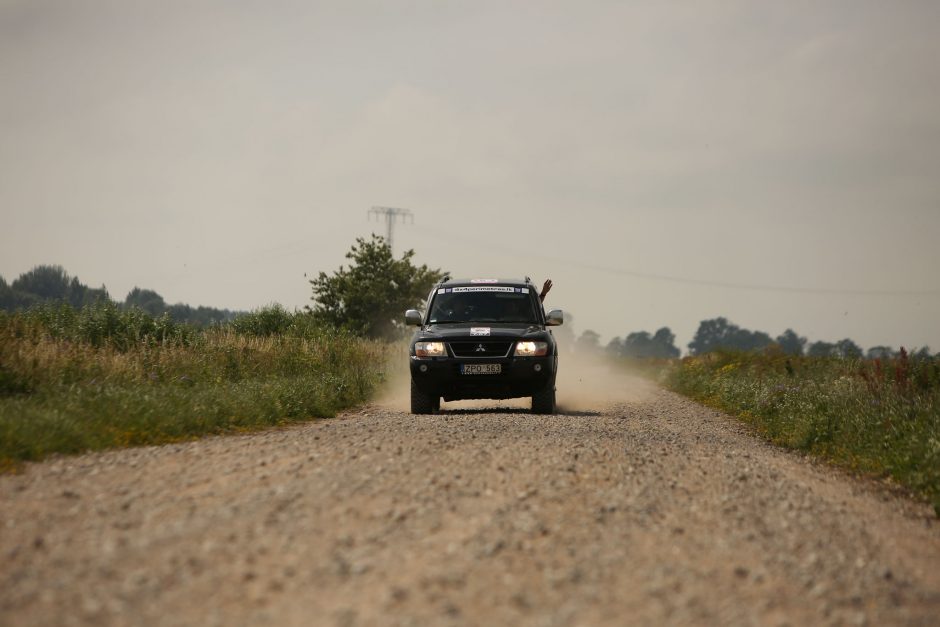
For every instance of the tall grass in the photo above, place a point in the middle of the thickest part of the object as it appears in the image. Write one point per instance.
(102, 376)
(875, 416)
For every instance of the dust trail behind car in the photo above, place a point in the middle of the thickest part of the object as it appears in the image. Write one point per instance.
(594, 382)
(586, 382)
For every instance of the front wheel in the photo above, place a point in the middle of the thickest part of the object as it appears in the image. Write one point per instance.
(422, 403)
(543, 401)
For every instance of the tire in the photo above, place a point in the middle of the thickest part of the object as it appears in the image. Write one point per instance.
(422, 403)
(543, 401)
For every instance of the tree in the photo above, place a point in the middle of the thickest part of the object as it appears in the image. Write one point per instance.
(847, 349)
(641, 344)
(148, 300)
(84, 295)
(614, 347)
(45, 282)
(718, 333)
(53, 283)
(636, 344)
(154, 304)
(821, 349)
(370, 297)
(791, 343)
(880, 352)
(711, 334)
(588, 342)
(11, 299)
(665, 342)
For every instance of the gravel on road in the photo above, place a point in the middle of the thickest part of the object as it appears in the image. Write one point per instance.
(652, 510)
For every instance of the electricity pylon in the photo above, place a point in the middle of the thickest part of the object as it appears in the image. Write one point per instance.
(391, 215)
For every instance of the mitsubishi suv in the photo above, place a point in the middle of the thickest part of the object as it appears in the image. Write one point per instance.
(483, 339)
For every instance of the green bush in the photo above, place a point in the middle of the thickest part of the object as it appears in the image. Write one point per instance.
(264, 322)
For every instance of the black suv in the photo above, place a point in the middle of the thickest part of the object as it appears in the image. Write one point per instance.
(483, 338)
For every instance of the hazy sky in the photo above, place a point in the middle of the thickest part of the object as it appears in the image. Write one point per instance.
(217, 151)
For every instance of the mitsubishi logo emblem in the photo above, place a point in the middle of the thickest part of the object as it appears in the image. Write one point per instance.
(480, 348)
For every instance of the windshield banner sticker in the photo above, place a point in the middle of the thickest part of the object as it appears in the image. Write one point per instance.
(479, 330)
(494, 288)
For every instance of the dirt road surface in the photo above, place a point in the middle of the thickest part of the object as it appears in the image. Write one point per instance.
(652, 510)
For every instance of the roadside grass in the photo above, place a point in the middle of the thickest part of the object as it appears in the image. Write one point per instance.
(873, 416)
(103, 377)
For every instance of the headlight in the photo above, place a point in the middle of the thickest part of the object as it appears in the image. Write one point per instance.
(531, 349)
(430, 349)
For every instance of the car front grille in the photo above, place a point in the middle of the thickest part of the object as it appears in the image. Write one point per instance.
(480, 349)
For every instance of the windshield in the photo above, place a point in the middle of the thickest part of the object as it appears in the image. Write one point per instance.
(483, 304)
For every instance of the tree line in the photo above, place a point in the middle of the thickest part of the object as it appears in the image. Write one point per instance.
(368, 297)
(719, 334)
(52, 284)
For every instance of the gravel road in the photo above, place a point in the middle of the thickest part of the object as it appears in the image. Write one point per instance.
(651, 510)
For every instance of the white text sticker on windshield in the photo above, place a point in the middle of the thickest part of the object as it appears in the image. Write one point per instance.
(484, 280)
(479, 330)
(494, 288)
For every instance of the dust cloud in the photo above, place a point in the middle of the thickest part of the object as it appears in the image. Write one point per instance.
(591, 382)
(395, 392)
(587, 382)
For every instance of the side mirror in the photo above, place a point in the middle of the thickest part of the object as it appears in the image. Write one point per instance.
(554, 318)
(413, 318)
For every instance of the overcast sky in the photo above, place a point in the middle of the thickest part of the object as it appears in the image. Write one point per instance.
(777, 163)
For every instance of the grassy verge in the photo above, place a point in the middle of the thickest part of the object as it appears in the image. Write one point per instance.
(873, 416)
(101, 377)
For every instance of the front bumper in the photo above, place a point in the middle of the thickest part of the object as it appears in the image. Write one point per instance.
(520, 376)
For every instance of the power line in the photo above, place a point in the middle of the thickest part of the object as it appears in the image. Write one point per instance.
(666, 278)
(391, 215)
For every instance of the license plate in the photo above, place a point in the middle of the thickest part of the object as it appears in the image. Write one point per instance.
(481, 368)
